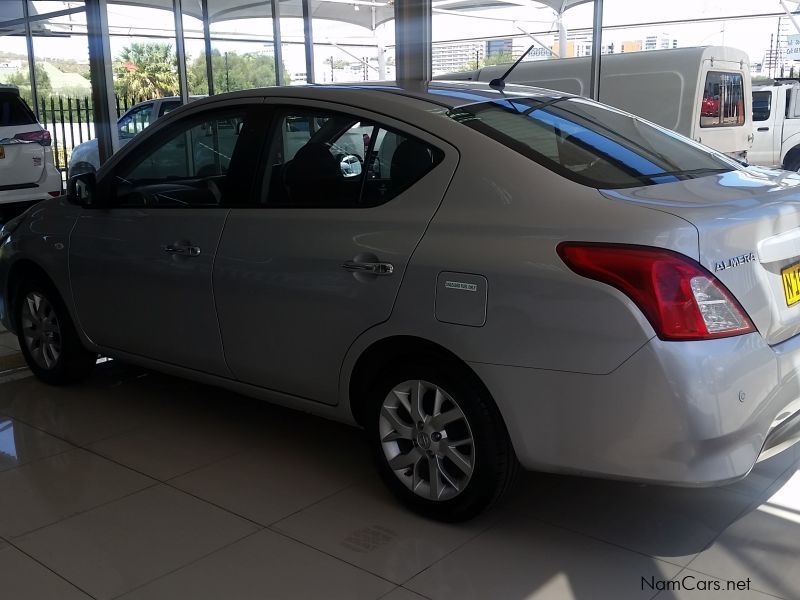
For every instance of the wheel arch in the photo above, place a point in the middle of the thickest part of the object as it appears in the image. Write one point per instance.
(792, 154)
(374, 358)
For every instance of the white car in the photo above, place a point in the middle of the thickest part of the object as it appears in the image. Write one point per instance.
(86, 157)
(27, 171)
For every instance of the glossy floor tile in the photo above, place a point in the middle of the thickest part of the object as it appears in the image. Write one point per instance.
(124, 544)
(21, 444)
(139, 485)
(266, 565)
(22, 578)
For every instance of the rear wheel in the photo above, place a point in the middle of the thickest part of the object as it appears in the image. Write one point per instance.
(439, 441)
(47, 336)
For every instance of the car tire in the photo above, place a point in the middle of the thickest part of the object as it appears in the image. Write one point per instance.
(455, 407)
(47, 336)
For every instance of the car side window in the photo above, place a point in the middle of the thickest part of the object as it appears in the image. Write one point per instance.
(320, 159)
(168, 106)
(189, 167)
(135, 120)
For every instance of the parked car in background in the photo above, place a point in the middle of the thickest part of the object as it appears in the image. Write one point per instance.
(703, 93)
(479, 278)
(27, 171)
(776, 119)
(85, 157)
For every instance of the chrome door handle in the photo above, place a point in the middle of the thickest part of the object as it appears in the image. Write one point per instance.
(372, 268)
(182, 250)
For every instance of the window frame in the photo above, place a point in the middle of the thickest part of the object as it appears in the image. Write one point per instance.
(130, 113)
(280, 108)
(769, 105)
(744, 101)
(144, 145)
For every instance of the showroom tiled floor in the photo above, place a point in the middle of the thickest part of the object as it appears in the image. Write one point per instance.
(139, 485)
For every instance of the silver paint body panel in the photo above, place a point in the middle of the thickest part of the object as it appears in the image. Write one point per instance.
(583, 383)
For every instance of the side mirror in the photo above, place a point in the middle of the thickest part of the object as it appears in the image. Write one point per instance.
(82, 190)
(350, 166)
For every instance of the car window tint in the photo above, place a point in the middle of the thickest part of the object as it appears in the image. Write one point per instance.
(14, 111)
(329, 160)
(167, 107)
(723, 102)
(590, 143)
(135, 121)
(188, 168)
(762, 105)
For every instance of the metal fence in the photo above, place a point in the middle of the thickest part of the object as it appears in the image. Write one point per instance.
(70, 122)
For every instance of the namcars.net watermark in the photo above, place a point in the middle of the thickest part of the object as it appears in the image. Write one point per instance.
(692, 582)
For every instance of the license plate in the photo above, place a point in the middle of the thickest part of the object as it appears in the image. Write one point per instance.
(791, 283)
(2, 151)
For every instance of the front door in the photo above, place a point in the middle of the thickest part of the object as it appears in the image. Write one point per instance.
(345, 200)
(141, 264)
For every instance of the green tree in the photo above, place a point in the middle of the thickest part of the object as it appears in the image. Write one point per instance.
(233, 71)
(146, 70)
(500, 58)
(22, 80)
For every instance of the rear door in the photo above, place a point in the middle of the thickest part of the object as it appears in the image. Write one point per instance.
(723, 118)
(344, 199)
(766, 113)
(21, 157)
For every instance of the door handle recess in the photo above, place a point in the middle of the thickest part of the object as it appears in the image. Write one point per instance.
(182, 250)
(371, 268)
(763, 128)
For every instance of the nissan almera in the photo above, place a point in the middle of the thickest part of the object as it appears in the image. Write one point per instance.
(480, 278)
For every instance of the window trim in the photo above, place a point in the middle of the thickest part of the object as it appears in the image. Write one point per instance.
(769, 107)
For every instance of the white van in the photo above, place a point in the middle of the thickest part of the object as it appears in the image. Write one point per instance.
(703, 93)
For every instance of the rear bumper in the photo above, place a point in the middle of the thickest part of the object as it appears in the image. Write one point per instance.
(681, 413)
(50, 181)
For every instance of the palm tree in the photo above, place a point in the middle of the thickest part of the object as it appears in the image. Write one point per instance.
(147, 70)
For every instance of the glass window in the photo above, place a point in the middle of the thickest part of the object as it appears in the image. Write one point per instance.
(328, 160)
(14, 111)
(723, 100)
(762, 105)
(590, 143)
(190, 168)
(168, 106)
(135, 120)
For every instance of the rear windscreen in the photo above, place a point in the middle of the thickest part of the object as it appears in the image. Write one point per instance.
(13, 111)
(590, 143)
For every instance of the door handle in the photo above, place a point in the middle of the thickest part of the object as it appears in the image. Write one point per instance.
(182, 250)
(371, 268)
(763, 128)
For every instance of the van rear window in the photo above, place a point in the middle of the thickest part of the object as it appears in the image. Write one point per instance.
(591, 143)
(723, 102)
(14, 111)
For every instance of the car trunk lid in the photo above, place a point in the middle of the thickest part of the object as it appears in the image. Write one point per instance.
(748, 224)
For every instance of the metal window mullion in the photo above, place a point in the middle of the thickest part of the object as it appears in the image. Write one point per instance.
(207, 43)
(180, 51)
(597, 50)
(101, 77)
(308, 40)
(31, 58)
(276, 40)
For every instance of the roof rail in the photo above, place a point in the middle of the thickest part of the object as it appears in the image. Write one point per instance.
(8, 87)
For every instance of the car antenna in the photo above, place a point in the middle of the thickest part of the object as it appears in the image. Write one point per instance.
(500, 82)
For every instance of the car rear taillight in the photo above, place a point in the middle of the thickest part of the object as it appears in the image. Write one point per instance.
(41, 136)
(680, 298)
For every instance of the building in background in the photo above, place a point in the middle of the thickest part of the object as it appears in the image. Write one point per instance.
(452, 56)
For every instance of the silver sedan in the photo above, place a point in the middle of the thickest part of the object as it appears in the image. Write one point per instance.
(479, 278)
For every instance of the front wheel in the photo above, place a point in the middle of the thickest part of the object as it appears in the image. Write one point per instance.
(47, 336)
(439, 442)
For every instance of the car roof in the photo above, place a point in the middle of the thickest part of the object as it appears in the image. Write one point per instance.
(445, 94)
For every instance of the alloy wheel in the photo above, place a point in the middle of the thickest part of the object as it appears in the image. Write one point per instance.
(427, 440)
(41, 330)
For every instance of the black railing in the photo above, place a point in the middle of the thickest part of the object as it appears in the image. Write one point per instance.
(70, 122)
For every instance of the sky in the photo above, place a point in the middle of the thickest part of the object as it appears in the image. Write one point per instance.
(752, 35)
